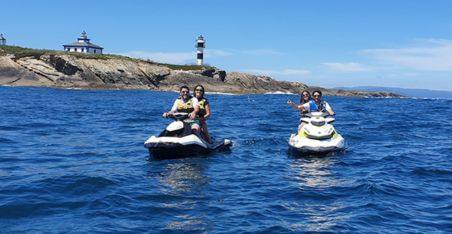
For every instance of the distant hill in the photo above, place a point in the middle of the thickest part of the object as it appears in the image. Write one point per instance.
(417, 93)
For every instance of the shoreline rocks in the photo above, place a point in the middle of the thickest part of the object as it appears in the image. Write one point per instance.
(69, 70)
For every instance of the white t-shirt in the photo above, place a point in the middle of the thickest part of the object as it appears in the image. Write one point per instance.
(176, 103)
(307, 105)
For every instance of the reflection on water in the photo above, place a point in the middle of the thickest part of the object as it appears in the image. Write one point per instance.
(186, 223)
(314, 176)
(186, 180)
(313, 172)
(183, 176)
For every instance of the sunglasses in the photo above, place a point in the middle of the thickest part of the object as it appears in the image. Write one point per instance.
(185, 91)
(316, 95)
(305, 94)
(200, 90)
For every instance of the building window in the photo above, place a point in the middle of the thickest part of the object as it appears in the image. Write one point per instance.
(94, 50)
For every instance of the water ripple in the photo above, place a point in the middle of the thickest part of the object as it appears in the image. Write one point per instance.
(78, 165)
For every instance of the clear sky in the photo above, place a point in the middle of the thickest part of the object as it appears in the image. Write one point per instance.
(327, 43)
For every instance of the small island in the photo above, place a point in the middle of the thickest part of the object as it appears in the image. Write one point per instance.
(61, 69)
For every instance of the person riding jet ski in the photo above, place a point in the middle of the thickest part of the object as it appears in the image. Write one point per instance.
(204, 111)
(305, 97)
(316, 134)
(186, 104)
(316, 104)
(182, 137)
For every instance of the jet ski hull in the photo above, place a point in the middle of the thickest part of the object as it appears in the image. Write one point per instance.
(170, 147)
(306, 146)
(314, 151)
(169, 151)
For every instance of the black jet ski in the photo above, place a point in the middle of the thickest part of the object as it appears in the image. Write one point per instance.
(178, 141)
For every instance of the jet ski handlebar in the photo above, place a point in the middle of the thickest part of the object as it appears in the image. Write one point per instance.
(178, 116)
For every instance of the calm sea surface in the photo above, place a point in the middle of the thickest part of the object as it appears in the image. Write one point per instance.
(74, 161)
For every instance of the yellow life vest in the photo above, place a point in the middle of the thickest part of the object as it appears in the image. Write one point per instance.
(202, 106)
(185, 107)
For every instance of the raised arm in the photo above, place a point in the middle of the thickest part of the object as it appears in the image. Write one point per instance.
(292, 104)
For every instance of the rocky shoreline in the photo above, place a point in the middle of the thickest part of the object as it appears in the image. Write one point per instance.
(43, 68)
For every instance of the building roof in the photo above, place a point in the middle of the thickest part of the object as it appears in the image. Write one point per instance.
(1, 37)
(83, 41)
(83, 44)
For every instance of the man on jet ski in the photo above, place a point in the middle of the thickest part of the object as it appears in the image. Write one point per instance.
(186, 104)
(317, 104)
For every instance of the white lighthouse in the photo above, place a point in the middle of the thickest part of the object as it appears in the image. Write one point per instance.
(2, 40)
(200, 45)
(83, 45)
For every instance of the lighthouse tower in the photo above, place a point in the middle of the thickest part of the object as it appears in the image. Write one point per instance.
(2, 40)
(200, 45)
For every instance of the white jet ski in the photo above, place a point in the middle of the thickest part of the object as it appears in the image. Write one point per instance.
(178, 141)
(316, 135)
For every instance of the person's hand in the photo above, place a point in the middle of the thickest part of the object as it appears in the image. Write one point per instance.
(289, 102)
(165, 115)
(192, 115)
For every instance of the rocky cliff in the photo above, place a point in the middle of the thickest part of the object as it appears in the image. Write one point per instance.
(28, 67)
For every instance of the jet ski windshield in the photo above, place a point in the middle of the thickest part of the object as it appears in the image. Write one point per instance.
(317, 114)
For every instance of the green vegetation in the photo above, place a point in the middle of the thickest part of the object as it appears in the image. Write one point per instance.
(183, 67)
(21, 52)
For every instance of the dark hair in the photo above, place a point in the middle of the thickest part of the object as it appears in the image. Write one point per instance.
(317, 91)
(302, 101)
(202, 87)
(184, 87)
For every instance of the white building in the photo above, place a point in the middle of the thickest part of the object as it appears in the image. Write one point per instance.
(200, 45)
(82, 45)
(2, 40)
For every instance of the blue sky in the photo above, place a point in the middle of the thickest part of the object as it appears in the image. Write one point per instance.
(326, 43)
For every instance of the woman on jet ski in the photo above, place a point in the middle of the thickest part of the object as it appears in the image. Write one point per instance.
(186, 104)
(304, 98)
(317, 104)
(204, 111)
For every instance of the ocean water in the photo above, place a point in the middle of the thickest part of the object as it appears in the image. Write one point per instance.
(74, 161)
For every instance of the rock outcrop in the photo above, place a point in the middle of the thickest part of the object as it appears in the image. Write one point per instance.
(69, 70)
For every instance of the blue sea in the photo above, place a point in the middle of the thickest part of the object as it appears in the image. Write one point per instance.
(74, 161)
